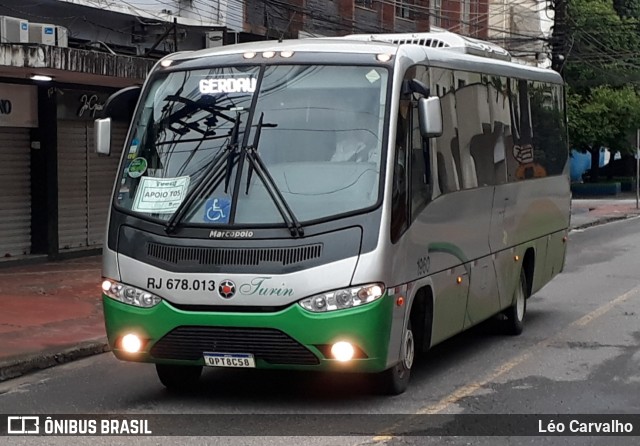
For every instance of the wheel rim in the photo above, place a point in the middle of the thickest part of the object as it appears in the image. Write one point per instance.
(520, 302)
(409, 350)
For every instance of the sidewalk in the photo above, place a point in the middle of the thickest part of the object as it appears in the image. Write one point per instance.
(51, 313)
(593, 211)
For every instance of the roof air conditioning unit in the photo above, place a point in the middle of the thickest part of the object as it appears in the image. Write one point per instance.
(13, 30)
(42, 33)
(62, 36)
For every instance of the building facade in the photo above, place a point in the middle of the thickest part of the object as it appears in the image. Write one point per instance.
(54, 190)
(523, 27)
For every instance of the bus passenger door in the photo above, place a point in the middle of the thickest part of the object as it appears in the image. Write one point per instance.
(501, 240)
(451, 288)
(483, 301)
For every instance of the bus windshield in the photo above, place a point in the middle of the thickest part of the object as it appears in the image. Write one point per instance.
(320, 141)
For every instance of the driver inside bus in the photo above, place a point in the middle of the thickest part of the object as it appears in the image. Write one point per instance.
(354, 145)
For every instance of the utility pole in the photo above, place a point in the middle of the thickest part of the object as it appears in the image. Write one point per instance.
(559, 35)
(638, 169)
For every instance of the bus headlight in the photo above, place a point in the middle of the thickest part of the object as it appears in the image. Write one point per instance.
(344, 298)
(129, 295)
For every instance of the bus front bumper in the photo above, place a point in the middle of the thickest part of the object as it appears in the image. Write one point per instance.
(292, 338)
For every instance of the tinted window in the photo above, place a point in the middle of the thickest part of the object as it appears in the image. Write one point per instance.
(539, 146)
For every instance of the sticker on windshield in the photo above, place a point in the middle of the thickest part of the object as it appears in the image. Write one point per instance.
(217, 210)
(137, 167)
(372, 76)
(160, 195)
(133, 149)
(231, 85)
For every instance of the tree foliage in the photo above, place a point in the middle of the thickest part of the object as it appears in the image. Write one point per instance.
(602, 70)
(605, 116)
(604, 48)
(627, 8)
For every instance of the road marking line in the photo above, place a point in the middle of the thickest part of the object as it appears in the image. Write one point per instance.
(509, 365)
(604, 309)
(471, 388)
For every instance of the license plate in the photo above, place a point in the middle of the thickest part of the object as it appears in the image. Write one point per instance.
(243, 360)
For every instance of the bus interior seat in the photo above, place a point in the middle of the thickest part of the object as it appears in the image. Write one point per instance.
(448, 170)
(501, 128)
(498, 107)
(472, 177)
(470, 97)
(447, 173)
(499, 153)
(482, 153)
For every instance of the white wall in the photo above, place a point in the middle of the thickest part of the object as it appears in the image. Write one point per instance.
(512, 22)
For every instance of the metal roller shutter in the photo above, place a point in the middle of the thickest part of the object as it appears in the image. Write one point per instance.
(102, 174)
(72, 184)
(15, 199)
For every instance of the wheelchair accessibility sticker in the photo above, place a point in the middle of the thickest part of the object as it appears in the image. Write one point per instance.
(217, 210)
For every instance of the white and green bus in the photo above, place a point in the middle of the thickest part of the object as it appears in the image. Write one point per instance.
(337, 205)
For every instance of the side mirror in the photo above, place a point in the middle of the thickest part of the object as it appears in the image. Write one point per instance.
(102, 136)
(430, 115)
(121, 104)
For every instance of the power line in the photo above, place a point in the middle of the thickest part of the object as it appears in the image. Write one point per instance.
(284, 11)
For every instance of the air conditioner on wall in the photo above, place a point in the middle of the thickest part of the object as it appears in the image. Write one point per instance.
(13, 30)
(42, 33)
(213, 39)
(62, 36)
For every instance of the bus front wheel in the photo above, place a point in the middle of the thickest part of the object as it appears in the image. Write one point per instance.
(514, 322)
(178, 377)
(395, 380)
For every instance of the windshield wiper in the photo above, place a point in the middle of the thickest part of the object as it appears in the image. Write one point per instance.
(212, 176)
(256, 163)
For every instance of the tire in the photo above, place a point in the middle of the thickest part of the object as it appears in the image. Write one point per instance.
(394, 381)
(179, 377)
(515, 314)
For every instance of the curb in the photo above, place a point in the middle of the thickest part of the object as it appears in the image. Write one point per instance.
(18, 366)
(603, 221)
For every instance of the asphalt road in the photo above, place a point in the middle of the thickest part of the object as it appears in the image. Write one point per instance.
(579, 354)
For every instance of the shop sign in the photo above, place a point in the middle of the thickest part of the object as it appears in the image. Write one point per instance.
(80, 105)
(18, 105)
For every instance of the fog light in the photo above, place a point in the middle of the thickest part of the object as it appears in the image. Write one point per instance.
(131, 343)
(342, 351)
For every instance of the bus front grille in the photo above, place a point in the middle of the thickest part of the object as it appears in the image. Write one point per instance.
(273, 346)
(232, 256)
